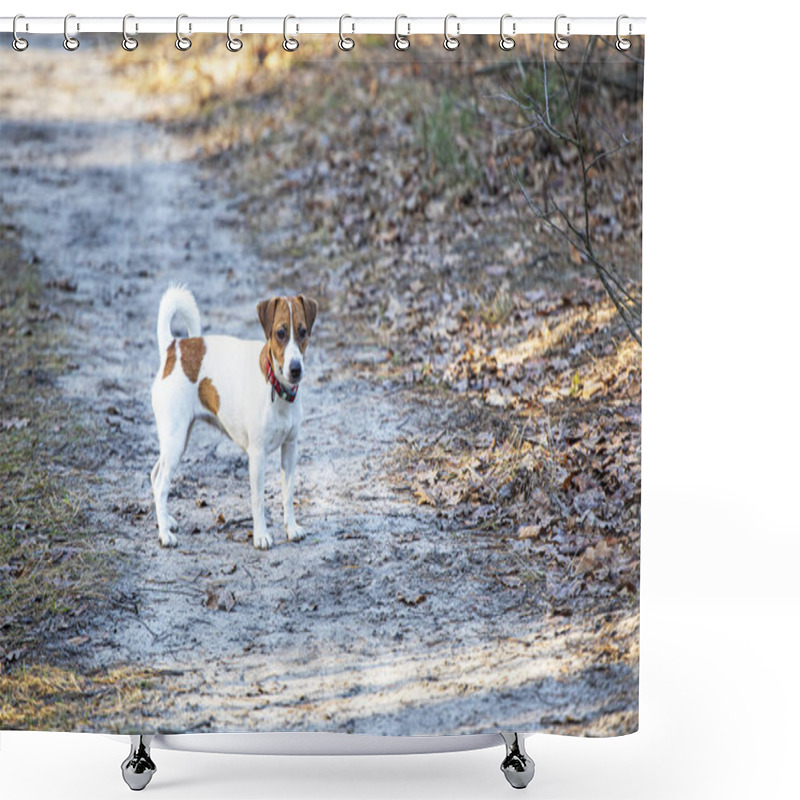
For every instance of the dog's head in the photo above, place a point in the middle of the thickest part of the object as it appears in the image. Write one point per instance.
(287, 323)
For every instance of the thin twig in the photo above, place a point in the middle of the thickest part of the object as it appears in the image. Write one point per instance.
(628, 305)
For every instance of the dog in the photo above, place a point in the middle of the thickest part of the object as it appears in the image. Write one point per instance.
(248, 389)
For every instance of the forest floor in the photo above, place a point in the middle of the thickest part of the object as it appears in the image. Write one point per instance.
(469, 469)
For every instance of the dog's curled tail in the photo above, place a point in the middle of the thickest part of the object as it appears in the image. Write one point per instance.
(177, 300)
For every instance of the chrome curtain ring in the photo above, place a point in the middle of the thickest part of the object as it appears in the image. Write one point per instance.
(401, 42)
(451, 42)
(128, 42)
(622, 44)
(507, 42)
(289, 44)
(345, 42)
(18, 43)
(70, 42)
(181, 42)
(234, 45)
(560, 43)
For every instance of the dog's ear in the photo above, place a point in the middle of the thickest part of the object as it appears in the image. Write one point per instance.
(266, 314)
(310, 308)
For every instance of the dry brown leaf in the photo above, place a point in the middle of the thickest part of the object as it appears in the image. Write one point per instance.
(595, 557)
(423, 498)
(218, 598)
(420, 598)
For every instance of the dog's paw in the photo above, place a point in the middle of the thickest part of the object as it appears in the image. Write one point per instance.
(262, 542)
(168, 539)
(172, 523)
(294, 533)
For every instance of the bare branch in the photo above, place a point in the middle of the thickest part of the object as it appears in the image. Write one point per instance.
(606, 153)
(628, 307)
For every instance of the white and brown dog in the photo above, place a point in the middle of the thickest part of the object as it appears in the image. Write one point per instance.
(248, 389)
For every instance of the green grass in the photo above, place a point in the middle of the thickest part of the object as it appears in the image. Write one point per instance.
(446, 132)
(49, 564)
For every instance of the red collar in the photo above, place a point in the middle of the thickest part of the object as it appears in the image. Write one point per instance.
(286, 393)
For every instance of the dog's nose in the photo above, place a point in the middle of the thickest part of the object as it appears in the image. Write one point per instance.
(295, 370)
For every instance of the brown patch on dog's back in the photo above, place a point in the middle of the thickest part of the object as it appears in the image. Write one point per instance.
(169, 364)
(208, 395)
(192, 352)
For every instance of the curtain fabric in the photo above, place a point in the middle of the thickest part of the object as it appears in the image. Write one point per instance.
(459, 234)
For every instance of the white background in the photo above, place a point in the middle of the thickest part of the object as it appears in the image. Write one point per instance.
(720, 604)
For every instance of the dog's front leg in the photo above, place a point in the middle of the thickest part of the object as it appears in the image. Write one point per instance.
(261, 538)
(288, 464)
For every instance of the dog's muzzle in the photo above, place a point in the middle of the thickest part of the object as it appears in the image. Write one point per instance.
(295, 371)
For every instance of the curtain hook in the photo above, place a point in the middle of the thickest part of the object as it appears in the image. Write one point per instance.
(18, 43)
(401, 42)
(70, 42)
(345, 42)
(560, 42)
(451, 42)
(182, 42)
(289, 45)
(623, 44)
(234, 45)
(128, 42)
(507, 42)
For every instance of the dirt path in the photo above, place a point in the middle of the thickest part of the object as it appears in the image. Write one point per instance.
(383, 619)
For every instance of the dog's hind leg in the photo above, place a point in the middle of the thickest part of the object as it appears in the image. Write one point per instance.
(173, 444)
(288, 465)
(173, 523)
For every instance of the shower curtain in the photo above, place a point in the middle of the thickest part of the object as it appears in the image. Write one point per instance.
(466, 226)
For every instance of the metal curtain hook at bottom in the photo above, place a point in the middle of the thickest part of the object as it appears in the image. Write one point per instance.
(517, 766)
(18, 43)
(70, 42)
(289, 44)
(182, 42)
(451, 42)
(138, 768)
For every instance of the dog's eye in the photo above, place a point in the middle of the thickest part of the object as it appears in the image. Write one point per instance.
(301, 333)
(281, 334)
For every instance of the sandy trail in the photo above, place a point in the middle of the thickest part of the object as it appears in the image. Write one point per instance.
(384, 620)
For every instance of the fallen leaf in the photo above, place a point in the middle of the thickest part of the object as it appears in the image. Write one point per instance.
(412, 602)
(423, 498)
(595, 557)
(218, 598)
(64, 284)
(529, 532)
(497, 400)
